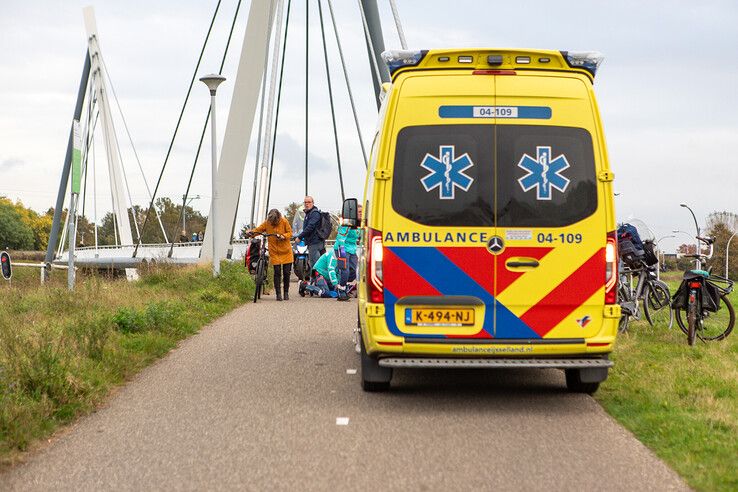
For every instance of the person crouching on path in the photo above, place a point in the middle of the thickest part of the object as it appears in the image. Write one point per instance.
(325, 276)
(280, 250)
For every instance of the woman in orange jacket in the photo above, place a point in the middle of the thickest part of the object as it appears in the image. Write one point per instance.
(280, 250)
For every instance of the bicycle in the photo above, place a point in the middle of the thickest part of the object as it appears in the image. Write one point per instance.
(653, 293)
(700, 298)
(262, 264)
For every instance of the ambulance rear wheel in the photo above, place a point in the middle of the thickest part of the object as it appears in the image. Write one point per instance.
(575, 385)
(373, 376)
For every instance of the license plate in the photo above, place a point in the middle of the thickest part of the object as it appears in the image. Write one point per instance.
(439, 317)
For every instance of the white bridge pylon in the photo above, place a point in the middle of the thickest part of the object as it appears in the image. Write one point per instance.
(241, 117)
(115, 170)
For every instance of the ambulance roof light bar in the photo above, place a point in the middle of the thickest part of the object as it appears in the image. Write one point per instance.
(396, 59)
(588, 60)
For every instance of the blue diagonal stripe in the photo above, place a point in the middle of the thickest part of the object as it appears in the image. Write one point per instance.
(449, 279)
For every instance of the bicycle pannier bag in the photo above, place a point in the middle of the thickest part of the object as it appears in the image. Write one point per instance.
(252, 255)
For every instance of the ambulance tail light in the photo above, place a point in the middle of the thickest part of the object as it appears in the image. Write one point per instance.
(611, 269)
(374, 258)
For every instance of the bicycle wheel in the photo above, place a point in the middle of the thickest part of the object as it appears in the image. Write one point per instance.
(712, 327)
(623, 323)
(623, 297)
(657, 304)
(692, 319)
(259, 278)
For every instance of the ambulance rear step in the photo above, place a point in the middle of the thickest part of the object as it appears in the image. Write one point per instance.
(416, 362)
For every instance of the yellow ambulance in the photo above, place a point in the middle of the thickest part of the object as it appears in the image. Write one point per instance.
(489, 219)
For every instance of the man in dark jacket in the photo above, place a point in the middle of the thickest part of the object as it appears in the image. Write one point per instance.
(309, 234)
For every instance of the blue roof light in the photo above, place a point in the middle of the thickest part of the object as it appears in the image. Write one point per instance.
(588, 60)
(397, 59)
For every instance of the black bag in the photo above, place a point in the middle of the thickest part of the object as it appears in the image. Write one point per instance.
(252, 255)
(710, 294)
(325, 227)
(649, 251)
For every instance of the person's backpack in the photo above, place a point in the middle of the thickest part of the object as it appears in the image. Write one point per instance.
(325, 227)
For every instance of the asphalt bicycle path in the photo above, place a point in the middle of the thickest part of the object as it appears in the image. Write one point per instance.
(254, 402)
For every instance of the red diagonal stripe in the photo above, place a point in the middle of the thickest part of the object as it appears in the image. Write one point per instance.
(504, 276)
(402, 280)
(567, 296)
(477, 263)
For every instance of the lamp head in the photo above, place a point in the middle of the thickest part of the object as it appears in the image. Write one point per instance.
(212, 80)
(683, 205)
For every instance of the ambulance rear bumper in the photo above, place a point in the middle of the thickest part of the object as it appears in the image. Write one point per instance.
(465, 363)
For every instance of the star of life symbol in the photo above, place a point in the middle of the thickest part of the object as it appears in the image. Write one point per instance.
(544, 173)
(446, 172)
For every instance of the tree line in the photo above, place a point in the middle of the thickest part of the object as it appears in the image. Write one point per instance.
(22, 228)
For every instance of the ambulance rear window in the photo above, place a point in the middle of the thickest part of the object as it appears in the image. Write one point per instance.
(448, 175)
(545, 176)
(443, 175)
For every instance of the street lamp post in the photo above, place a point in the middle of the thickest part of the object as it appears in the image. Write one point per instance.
(186, 202)
(696, 226)
(661, 255)
(213, 81)
(727, 250)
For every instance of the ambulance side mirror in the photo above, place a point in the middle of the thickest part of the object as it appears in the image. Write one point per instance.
(350, 212)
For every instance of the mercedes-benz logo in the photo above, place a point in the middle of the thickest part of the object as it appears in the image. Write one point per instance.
(495, 244)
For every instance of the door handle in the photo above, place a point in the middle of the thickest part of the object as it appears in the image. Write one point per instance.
(522, 263)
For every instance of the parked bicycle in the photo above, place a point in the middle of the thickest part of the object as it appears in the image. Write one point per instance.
(638, 282)
(701, 304)
(261, 267)
(639, 286)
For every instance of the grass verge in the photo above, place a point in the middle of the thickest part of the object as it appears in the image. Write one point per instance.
(680, 401)
(61, 353)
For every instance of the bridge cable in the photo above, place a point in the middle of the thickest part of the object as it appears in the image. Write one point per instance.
(330, 98)
(94, 188)
(398, 24)
(204, 128)
(85, 171)
(133, 146)
(279, 99)
(348, 85)
(258, 138)
(307, 88)
(89, 133)
(368, 37)
(176, 128)
(125, 180)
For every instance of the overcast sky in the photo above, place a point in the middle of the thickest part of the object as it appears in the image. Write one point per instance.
(666, 92)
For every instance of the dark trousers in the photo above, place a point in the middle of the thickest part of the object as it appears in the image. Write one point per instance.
(347, 269)
(315, 251)
(282, 272)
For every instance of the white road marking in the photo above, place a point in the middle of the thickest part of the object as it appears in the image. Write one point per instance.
(350, 371)
(342, 420)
